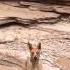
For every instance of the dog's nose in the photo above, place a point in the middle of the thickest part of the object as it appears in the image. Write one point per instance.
(35, 58)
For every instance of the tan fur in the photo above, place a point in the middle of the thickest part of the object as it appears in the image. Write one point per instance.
(33, 62)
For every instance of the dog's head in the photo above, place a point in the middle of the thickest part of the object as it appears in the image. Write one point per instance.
(34, 51)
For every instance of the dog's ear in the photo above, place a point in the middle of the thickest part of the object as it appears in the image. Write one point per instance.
(39, 46)
(30, 46)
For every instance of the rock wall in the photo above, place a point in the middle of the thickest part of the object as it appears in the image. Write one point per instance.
(32, 12)
(21, 22)
(62, 2)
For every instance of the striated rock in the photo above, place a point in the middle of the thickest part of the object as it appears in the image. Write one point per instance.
(55, 8)
(4, 20)
(49, 21)
(11, 3)
(51, 8)
(8, 11)
(7, 15)
(62, 9)
(60, 2)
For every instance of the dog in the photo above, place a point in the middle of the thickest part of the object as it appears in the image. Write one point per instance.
(33, 62)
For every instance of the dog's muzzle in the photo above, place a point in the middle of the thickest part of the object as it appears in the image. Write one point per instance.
(35, 58)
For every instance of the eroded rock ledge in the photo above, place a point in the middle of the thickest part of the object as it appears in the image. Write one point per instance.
(32, 12)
